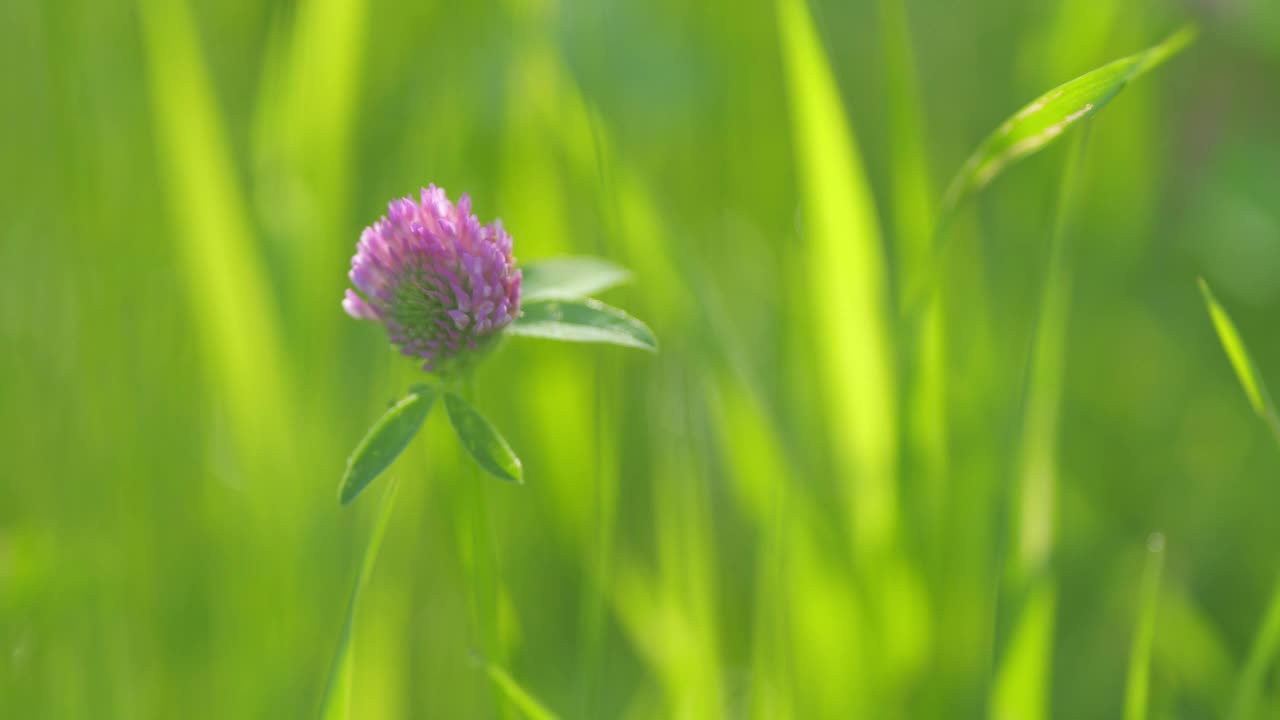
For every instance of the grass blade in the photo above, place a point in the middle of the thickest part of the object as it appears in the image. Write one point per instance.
(525, 702)
(1046, 118)
(912, 197)
(1267, 641)
(1253, 677)
(1250, 380)
(569, 278)
(482, 441)
(845, 271)
(229, 291)
(1023, 682)
(337, 694)
(1137, 686)
(384, 442)
(583, 321)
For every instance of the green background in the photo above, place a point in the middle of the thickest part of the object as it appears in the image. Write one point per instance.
(182, 183)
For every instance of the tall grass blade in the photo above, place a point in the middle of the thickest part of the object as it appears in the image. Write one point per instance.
(846, 276)
(1137, 686)
(307, 114)
(1047, 117)
(911, 196)
(227, 286)
(337, 694)
(1267, 641)
(1253, 677)
(1022, 688)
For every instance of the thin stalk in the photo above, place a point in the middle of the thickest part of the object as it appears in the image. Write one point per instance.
(484, 583)
(605, 489)
(1020, 687)
(337, 692)
(600, 562)
(1137, 687)
(1261, 656)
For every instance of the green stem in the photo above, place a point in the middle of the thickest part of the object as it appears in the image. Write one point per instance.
(1267, 641)
(337, 692)
(1137, 687)
(1021, 684)
(1261, 655)
(480, 563)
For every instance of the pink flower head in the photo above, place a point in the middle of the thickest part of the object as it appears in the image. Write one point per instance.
(442, 283)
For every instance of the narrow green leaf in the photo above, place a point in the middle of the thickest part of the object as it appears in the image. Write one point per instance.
(1246, 371)
(847, 282)
(1137, 687)
(1266, 642)
(521, 698)
(583, 321)
(385, 441)
(235, 313)
(1048, 116)
(1253, 677)
(569, 278)
(482, 441)
(337, 695)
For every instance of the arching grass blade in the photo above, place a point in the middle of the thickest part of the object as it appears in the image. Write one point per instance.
(1046, 118)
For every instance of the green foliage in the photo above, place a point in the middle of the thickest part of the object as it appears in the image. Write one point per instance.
(1255, 390)
(1137, 691)
(589, 321)
(810, 505)
(1047, 117)
(337, 695)
(384, 442)
(482, 441)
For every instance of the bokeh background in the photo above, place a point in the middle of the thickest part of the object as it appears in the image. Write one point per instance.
(181, 186)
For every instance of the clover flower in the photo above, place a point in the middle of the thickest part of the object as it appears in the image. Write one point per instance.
(442, 284)
(446, 288)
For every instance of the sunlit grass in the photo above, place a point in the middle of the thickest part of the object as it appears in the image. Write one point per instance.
(864, 476)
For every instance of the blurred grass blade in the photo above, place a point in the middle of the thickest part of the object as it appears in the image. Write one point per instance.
(525, 702)
(1267, 641)
(337, 695)
(912, 198)
(1048, 116)
(846, 276)
(385, 441)
(1024, 677)
(229, 292)
(583, 321)
(569, 278)
(1253, 678)
(912, 204)
(1022, 686)
(482, 441)
(1246, 371)
(1137, 687)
